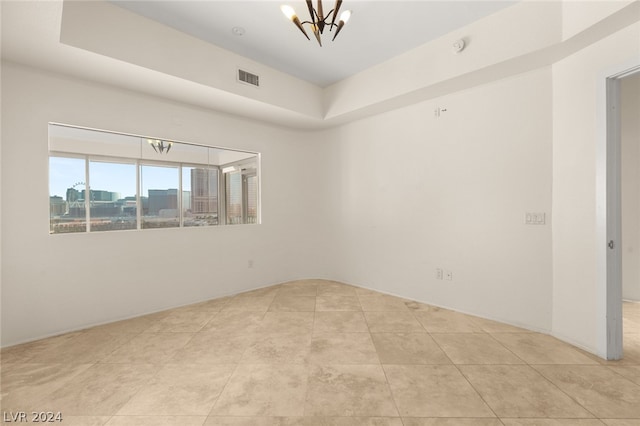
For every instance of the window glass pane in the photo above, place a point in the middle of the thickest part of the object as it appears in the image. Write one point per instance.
(159, 196)
(199, 196)
(252, 199)
(113, 196)
(66, 202)
(234, 197)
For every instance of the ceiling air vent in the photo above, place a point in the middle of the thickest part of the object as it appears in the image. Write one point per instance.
(248, 78)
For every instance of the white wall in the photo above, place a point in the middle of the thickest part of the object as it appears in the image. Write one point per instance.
(435, 62)
(630, 141)
(412, 193)
(578, 15)
(55, 283)
(579, 239)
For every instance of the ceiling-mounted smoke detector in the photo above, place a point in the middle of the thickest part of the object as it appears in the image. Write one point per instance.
(458, 46)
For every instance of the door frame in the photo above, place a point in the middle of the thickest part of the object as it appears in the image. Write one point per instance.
(610, 251)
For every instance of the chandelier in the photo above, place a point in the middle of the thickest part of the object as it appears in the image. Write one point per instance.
(159, 146)
(318, 20)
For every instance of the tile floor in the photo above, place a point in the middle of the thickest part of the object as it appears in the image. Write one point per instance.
(320, 353)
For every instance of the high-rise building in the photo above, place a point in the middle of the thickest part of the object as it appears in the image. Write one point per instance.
(162, 199)
(57, 206)
(204, 191)
(73, 195)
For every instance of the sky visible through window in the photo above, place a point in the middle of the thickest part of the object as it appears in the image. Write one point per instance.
(64, 173)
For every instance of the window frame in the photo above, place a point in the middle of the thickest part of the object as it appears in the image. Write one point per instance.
(254, 161)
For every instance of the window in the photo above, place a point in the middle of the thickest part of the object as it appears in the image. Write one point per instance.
(102, 181)
(199, 196)
(112, 202)
(66, 191)
(241, 185)
(159, 196)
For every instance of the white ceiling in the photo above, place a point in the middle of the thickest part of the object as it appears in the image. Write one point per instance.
(377, 31)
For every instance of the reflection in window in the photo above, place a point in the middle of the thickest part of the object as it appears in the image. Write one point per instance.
(112, 196)
(241, 187)
(234, 197)
(159, 196)
(200, 196)
(105, 181)
(67, 211)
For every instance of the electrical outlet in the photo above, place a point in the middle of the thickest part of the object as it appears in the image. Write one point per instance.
(448, 275)
(439, 274)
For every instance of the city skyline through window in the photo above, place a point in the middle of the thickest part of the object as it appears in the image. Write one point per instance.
(90, 191)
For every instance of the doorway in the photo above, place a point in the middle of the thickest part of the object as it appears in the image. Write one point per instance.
(623, 202)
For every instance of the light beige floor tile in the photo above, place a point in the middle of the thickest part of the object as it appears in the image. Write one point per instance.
(434, 391)
(339, 322)
(439, 320)
(37, 350)
(621, 422)
(215, 348)
(235, 322)
(298, 288)
(631, 308)
(408, 421)
(87, 347)
(180, 389)
(279, 348)
(16, 376)
(417, 306)
(552, 422)
(361, 291)
(242, 421)
(293, 304)
(631, 349)
(393, 321)
(338, 303)
(489, 326)
(475, 348)
(382, 302)
(24, 386)
(133, 325)
(264, 390)
(536, 348)
(361, 421)
(348, 390)
(501, 386)
(408, 348)
(84, 420)
(149, 348)
(183, 321)
(13, 354)
(156, 421)
(331, 288)
(303, 421)
(271, 291)
(287, 322)
(597, 388)
(213, 305)
(100, 390)
(630, 325)
(248, 303)
(343, 348)
(630, 372)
